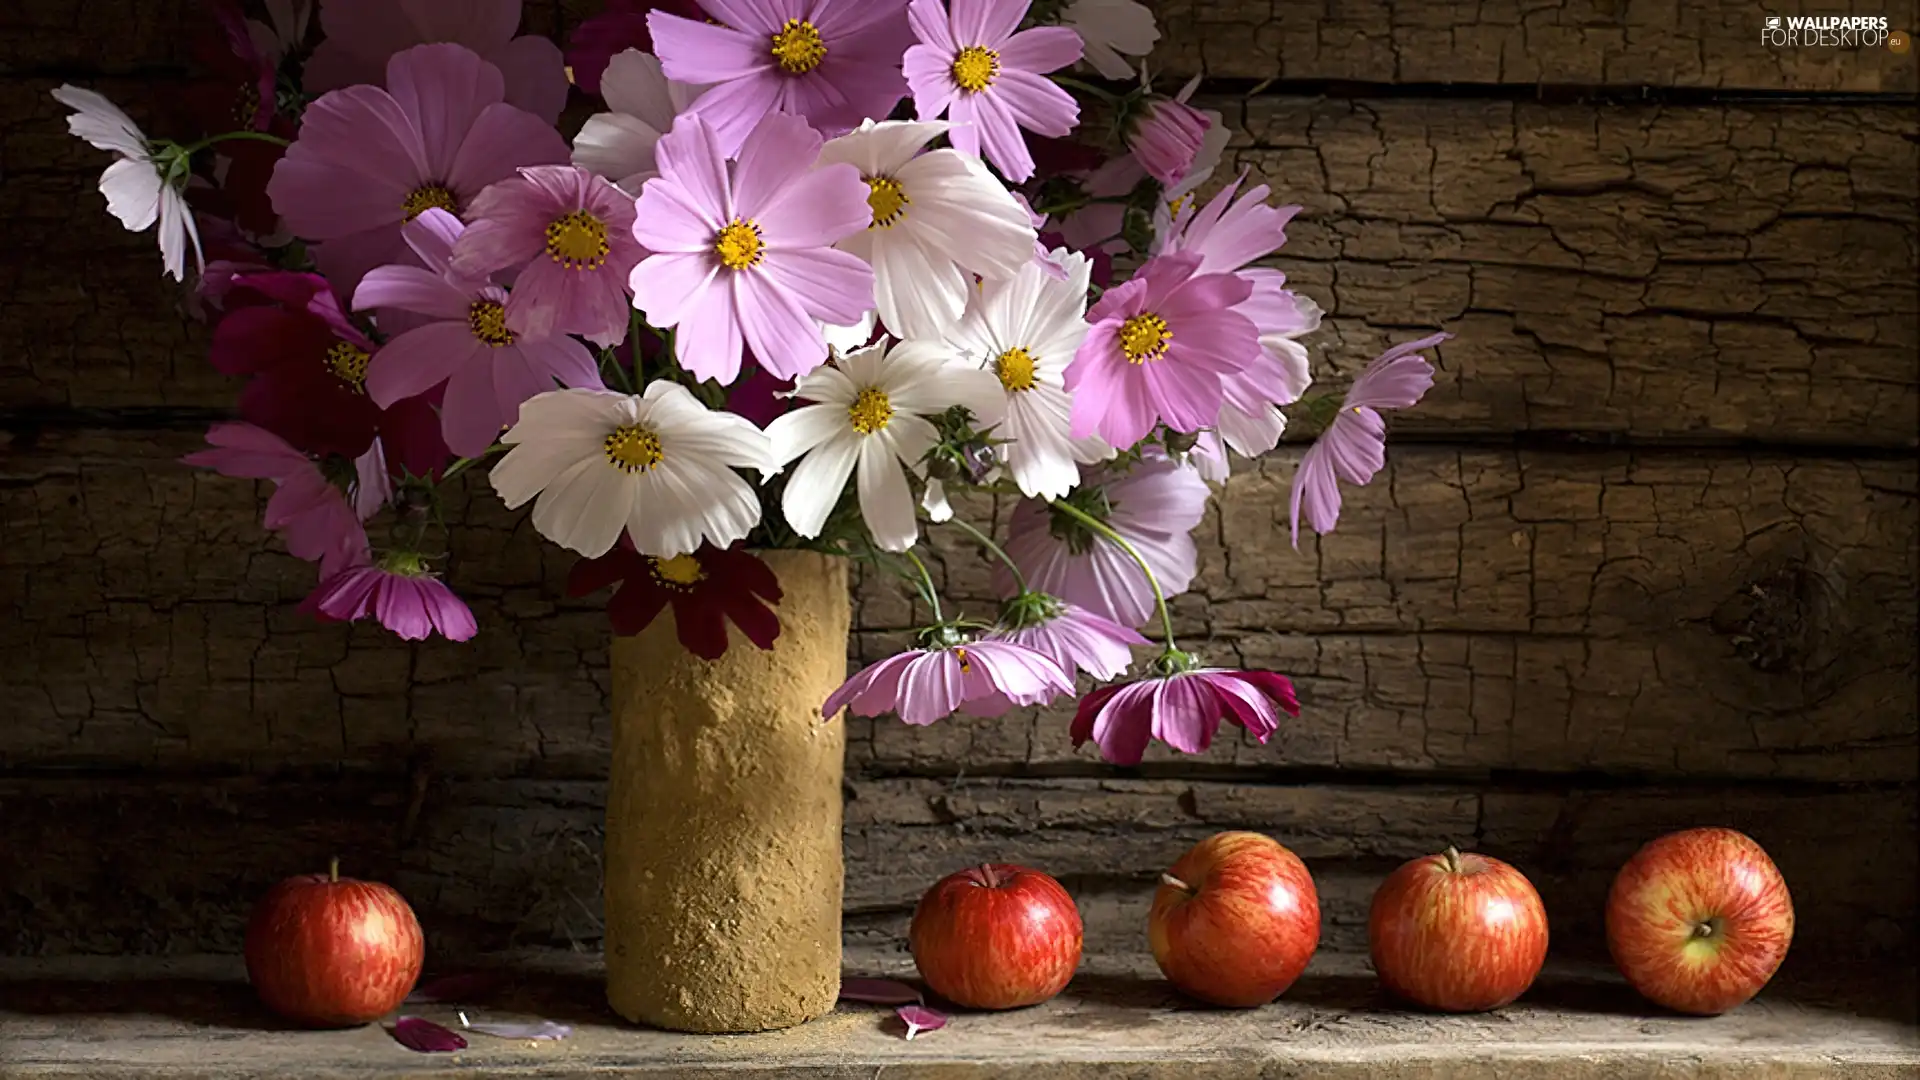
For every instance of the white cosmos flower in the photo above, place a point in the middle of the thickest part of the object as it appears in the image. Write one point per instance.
(869, 415)
(1109, 28)
(136, 192)
(1025, 331)
(619, 144)
(659, 465)
(938, 219)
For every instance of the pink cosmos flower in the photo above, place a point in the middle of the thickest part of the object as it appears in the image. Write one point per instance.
(1166, 137)
(488, 368)
(400, 593)
(1077, 639)
(368, 160)
(621, 25)
(311, 513)
(1182, 710)
(1161, 347)
(744, 254)
(362, 35)
(573, 233)
(1354, 445)
(833, 62)
(983, 678)
(1154, 506)
(973, 68)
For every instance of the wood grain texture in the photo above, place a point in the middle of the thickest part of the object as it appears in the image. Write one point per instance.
(169, 866)
(1477, 610)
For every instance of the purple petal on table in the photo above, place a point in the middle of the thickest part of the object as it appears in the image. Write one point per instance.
(919, 1018)
(426, 1036)
(879, 992)
(461, 989)
(539, 1029)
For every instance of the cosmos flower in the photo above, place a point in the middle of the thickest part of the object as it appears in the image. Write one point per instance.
(1166, 137)
(137, 192)
(1072, 637)
(362, 35)
(400, 593)
(983, 678)
(311, 514)
(644, 103)
(1354, 446)
(706, 590)
(978, 69)
(1182, 710)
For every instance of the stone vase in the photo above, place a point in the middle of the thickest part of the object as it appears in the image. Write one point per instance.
(722, 864)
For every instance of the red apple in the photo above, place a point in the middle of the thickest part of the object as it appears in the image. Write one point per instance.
(328, 951)
(1699, 920)
(1236, 920)
(1457, 933)
(996, 937)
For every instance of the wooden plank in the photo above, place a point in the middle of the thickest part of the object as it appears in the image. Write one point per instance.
(1477, 610)
(1603, 272)
(102, 865)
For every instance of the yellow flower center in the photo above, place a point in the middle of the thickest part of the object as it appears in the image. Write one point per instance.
(887, 199)
(632, 448)
(423, 199)
(1015, 368)
(870, 410)
(488, 320)
(680, 572)
(797, 47)
(738, 245)
(246, 106)
(1174, 207)
(578, 241)
(966, 664)
(975, 68)
(349, 364)
(1144, 338)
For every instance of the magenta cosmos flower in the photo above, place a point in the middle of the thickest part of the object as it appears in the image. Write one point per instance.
(1183, 711)
(400, 593)
(573, 234)
(369, 160)
(973, 68)
(1354, 445)
(1154, 507)
(362, 35)
(744, 255)
(1161, 347)
(983, 678)
(465, 343)
(310, 512)
(834, 62)
(1165, 136)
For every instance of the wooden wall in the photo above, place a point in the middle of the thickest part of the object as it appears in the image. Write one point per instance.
(1645, 558)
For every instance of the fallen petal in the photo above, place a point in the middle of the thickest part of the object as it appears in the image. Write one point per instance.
(539, 1029)
(456, 989)
(426, 1036)
(919, 1018)
(879, 992)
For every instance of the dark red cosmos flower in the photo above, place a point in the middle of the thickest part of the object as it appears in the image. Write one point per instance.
(706, 589)
(620, 26)
(309, 367)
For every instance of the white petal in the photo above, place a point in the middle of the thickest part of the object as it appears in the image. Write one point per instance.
(680, 503)
(845, 339)
(959, 208)
(815, 486)
(880, 149)
(919, 293)
(572, 413)
(585, 508)
(1040, 457)
(886, 503)
(615, 146)
(101, 123)
(934, 502)
(1252, 434)
(133, 191)
(794, 433)
(177, 232)
(529, 467)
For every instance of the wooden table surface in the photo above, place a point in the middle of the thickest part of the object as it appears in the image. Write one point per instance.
(195, 1017)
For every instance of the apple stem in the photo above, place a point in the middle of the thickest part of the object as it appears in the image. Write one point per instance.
(1174, 882)
(987, 877)
(1453, 859)
(333, 869)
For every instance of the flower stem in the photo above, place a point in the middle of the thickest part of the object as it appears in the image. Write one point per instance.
(461, 465)
(926, 585)
(1086, 87)
(1101, 527)
(254, 136)
(1019, 579)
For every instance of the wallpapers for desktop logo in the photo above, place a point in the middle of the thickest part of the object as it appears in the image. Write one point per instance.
(1831, 32)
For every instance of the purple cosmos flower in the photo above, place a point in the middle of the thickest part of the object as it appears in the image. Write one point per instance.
(1166, 136)
(573, 233)
(744, 254)
(362, 34)
(983, 678)
(833, 62)
(400, 593)
(369, 160)
(1182, 710)
(1354, 445)
(314, 515)
(465, 342)
(973, 68)
(1075, 638)
(1154, 507)
(1161, 346)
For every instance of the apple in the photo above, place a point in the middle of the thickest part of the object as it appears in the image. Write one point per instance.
(328, 951)
(1699, 920)
(1235, 921)
(996, 937)
(1457, 932)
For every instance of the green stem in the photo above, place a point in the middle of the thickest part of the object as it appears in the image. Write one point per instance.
(461, 465)
(1013, 568)
(1102, 93)
(926, 584)
(254, 136)
(1101, 527)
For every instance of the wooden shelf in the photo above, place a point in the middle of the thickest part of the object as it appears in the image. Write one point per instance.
(195, 1017)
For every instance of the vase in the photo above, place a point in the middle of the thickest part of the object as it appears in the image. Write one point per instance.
(722, 856)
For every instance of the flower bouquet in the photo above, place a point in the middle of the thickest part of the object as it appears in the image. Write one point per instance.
(809, 271)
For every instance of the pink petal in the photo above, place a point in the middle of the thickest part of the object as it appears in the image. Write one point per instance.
(1036, 103)
(665, 287)
(421, 359)
(775, 326)
(929, 75)
(536, 75)
(690, 157)
(410, 288)
(813, 209)
(931, 687)
(426, 1036)
(450, 614)
(1124, 725)
(432, 235)
(1000, 140)
(709, 338)
(871, 690)
(774, 156)
(356, 160)
(1041, 49)
(1316, 492)
(732, 108)
(834, 286)
(879, 992)
(697, 52)
(401, 608)
(930, 24)
(470, 416)
(502, 140)
(919, 1018)
(1185, 713)
(443, 88)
